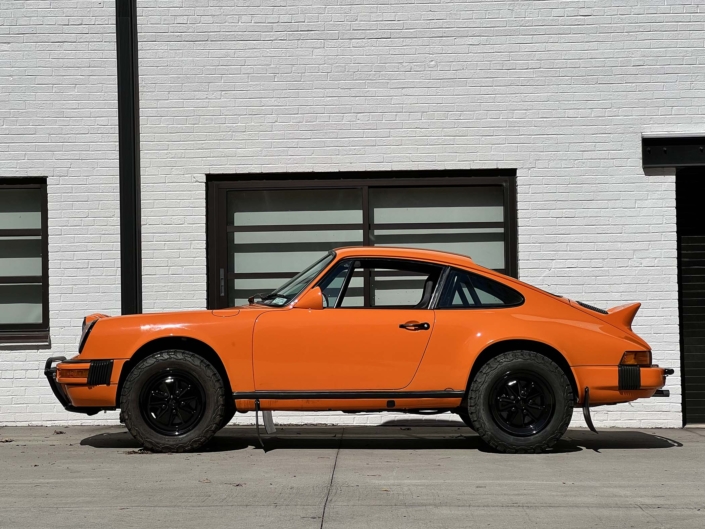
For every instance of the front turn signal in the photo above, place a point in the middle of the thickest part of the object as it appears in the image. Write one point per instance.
(636, 358)
(73, 373)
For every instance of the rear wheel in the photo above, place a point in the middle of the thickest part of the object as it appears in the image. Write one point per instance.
(520, 401)
(173, 401)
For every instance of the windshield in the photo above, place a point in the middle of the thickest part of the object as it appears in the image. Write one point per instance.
(292, 288)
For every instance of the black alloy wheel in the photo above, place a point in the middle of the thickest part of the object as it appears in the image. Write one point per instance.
(172, 402)
(522, 403)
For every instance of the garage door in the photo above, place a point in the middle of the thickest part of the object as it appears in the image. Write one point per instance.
(263, 232)
(690, 189)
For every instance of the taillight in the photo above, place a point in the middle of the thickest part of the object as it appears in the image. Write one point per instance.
(636, 358)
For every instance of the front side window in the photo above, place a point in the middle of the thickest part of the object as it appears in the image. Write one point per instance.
(380, 283)
(467, 290)
(292, 288)
(24, 313)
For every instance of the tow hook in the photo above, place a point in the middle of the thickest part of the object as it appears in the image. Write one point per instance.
(586, 410)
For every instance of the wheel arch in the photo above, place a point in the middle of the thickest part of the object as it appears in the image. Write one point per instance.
(183, 343)
(497, 348)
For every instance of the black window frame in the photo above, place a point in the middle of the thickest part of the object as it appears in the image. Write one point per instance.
(481, 306)
(218, 186)
(29, 332)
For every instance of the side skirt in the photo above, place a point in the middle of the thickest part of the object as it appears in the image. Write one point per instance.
(335, 395)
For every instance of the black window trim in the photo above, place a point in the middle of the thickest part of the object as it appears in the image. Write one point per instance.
(218, 185)
(334, 265)
(35, 333)
(478, 307)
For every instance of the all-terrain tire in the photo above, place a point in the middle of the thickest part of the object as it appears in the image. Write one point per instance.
(486, 421)
(211, 395)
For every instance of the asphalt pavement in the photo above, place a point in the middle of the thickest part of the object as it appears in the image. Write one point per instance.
(403, 474)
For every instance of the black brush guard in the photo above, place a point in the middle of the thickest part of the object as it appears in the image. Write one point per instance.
(50, 373)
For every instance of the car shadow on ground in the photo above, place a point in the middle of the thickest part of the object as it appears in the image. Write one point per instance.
(393, 435)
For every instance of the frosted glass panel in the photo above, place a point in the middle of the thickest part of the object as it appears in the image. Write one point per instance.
(20, 303)
(20, 209)
(276, 234)
(464, 220)
(20, 256)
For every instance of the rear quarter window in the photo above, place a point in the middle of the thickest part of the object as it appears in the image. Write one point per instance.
(467, 290)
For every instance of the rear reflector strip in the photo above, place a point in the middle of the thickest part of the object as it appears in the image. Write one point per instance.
(629, 377)
(100, 372)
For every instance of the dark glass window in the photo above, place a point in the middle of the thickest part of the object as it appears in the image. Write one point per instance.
(24, 311)
(467, 290)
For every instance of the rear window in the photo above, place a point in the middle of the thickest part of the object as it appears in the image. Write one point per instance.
(467, 290)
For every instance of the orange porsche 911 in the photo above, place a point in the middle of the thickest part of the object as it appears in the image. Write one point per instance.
(365, 329)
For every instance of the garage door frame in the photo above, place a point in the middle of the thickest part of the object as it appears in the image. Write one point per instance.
(218, 185)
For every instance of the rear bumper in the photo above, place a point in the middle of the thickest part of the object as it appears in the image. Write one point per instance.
(89, 395)
(613, 384)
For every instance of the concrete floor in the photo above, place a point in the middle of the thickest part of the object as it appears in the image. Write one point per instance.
(403, 475)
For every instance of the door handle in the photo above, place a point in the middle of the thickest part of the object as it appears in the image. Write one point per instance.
(414, 326)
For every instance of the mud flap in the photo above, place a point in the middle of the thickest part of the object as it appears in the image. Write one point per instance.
(266, 419)
(586, 410)
(268, 422)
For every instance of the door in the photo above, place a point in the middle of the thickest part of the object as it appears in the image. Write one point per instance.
(690, 189)
(372, 335)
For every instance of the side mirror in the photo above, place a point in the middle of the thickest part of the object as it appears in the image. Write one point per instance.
(312, 300)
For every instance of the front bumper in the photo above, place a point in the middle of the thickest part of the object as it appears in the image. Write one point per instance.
(614, 384)
(91, 394)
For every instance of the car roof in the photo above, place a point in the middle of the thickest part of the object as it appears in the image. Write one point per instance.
(448, 258)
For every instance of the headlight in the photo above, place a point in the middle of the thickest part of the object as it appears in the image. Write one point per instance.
(636, 358)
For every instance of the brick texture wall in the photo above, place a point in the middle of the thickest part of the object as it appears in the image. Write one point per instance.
(560, 90)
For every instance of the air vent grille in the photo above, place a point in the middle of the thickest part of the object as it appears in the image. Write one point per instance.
(590, 307)
(99, 372)
(629, 377)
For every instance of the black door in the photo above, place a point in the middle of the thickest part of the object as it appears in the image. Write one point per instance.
(690, 191)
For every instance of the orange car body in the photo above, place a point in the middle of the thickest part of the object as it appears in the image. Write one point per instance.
(298, 357)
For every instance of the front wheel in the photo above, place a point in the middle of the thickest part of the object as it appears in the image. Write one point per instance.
(173, 401)
(520, 401)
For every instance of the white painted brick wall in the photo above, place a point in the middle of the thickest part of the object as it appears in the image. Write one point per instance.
(559, 90)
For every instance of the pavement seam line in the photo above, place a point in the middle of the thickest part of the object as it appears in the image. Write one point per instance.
(332, 475)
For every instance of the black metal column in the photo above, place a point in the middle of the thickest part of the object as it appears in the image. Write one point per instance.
(129, 147)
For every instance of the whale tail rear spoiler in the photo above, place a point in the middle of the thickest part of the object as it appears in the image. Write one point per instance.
(623, 315)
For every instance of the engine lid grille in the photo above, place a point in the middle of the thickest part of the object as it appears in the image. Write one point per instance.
(590, 307)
